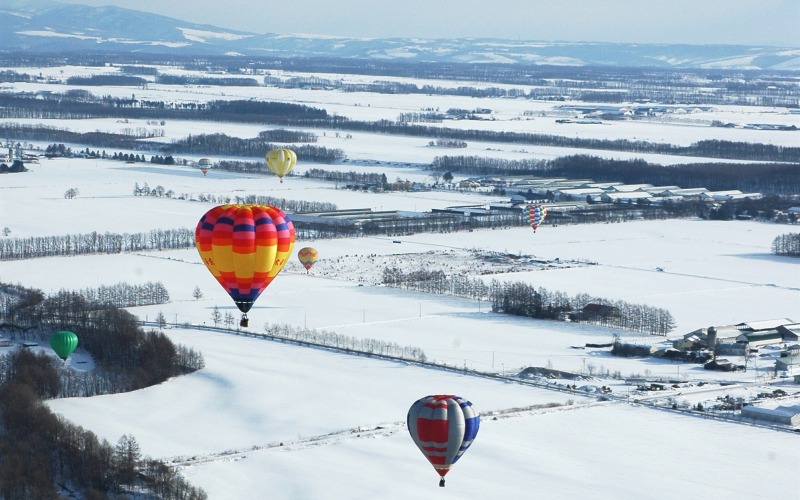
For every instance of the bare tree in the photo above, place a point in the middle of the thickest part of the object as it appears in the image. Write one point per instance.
(228, 320)
(216, 316)
(161, 320)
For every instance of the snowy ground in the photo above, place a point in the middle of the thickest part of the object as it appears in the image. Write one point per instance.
(340, 418)
(267, 419)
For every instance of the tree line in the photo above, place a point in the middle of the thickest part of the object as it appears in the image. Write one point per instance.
(787, 244)
(288, 206)
(552, 82)
(70, 106)
(345, 342)
(120, 295)
(94, 243)
(523, 299)
(706, 148)
(345, 178)
(221, 81)
(204, 144)
(285, 114)
(224, 145)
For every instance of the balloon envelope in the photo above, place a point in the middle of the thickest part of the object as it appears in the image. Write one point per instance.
(443, 427)
(535, 214)
(244, 247)
(281, 161)
(307, 256)
(205, 165)
(64, 343)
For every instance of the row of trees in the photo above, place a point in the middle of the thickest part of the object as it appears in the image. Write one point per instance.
(17, 304)
(224, 145)
(126, 295)
(106, 80)
(289, 206)
(787, 244)
(523, 299)
(95, 243)
(345, 342)
(16, 106)
(663, 85)
(347, 178)
(691, 87)
(219, 81)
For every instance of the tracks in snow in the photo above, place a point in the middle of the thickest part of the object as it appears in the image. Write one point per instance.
(376, 432)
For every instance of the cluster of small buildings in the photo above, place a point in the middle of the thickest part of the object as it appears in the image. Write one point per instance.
(561, 189)
(781, 335)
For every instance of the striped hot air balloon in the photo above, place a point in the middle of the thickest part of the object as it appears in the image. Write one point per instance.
(244, 247)
(205, 165)
(308, 257)
(281, 161)
(535, 214)
(443, 427)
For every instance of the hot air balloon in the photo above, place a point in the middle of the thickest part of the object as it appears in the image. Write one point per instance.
(535, 214)
(244, 247)
(281, 161)
(443, 427)
(205, 165)
(307, 256)
(64, 343)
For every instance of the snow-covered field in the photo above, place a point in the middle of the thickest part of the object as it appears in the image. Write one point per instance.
(274, 420)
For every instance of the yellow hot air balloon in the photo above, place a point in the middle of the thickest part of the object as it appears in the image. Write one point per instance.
(281, 161)
(307, 256)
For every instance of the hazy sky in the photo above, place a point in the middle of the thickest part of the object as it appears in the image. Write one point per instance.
(749, 22)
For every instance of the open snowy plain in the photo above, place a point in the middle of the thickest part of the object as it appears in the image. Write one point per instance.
(276, 420)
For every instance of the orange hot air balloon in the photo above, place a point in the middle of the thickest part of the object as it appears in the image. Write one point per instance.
(244, 247)
(281, 161)
(307, 256)
(205, 165)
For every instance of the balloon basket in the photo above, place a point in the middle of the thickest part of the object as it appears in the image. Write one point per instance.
(244, 322)
(441, 483)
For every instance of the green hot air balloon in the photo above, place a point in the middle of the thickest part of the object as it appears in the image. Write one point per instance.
(63, 343)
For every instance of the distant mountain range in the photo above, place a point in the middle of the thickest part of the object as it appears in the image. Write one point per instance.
(45, 26)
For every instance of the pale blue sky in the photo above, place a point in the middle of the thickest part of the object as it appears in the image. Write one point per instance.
(749, 22)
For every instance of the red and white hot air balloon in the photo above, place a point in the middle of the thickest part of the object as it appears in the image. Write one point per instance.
(443, 427)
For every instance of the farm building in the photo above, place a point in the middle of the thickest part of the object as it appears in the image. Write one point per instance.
(788, 415)
(789, 364)
(577, 193)
(760, 338)
(630, 188)
(790, 332)
(625, 197)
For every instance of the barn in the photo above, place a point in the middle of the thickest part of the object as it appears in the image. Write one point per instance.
(787, 415)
